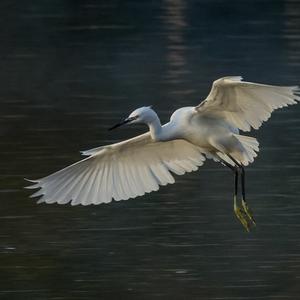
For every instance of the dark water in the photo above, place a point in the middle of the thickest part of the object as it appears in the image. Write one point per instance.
(69, 70)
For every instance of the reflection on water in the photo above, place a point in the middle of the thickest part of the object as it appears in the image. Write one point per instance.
(291, 33)
(70, 70)
(175, 23)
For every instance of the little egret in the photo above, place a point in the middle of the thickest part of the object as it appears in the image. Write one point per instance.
(140, 165)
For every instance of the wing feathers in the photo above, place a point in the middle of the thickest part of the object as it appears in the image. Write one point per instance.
(120, 171)
(246, 104)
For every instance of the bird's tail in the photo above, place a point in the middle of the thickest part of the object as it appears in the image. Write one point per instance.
(250, 145)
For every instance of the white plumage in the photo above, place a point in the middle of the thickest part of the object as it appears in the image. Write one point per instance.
(141, 164)
(246, 104)
(120, 171)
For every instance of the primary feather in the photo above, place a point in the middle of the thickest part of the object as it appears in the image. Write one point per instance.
(246, 104)
(120, 171)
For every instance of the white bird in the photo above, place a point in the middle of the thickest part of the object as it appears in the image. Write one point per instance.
(140, 165)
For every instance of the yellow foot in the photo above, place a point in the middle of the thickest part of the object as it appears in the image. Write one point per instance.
(248, 212)
(241, 215)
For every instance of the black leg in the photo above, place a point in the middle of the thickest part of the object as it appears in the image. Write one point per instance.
(236, 182)
(243, 183)
(241, 168)
(244, 203)
(236, 176)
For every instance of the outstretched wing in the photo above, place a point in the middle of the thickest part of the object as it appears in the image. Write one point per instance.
(246, 104)
(119, 171)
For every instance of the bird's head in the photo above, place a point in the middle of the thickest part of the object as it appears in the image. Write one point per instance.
(141, 115)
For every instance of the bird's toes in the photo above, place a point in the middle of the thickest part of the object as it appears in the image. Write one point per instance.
(248, 212)
(241, 215)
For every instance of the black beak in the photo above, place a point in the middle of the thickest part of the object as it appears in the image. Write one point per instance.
(121, 123)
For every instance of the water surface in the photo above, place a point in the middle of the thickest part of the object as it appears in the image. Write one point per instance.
(71, 69)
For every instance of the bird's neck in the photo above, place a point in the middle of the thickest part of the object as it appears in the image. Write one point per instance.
(156, 129)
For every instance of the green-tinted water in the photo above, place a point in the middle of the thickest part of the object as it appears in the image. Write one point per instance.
(71, 69)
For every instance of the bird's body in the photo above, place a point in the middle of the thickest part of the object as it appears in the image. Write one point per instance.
(206, 131)
(139, 165)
